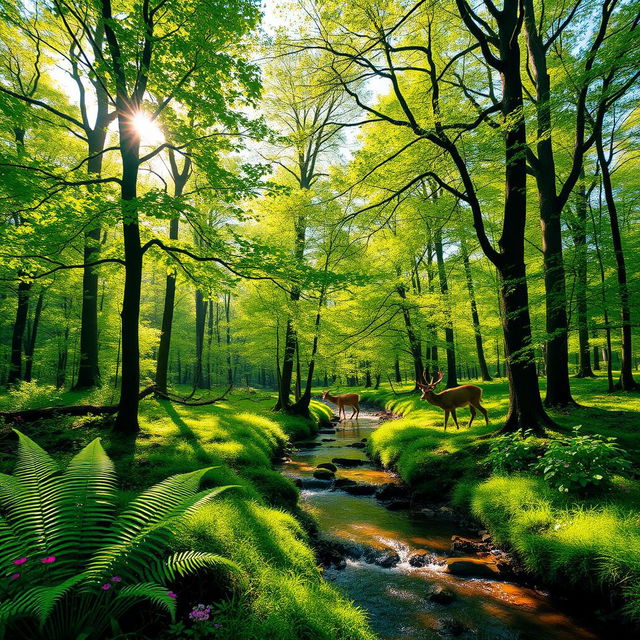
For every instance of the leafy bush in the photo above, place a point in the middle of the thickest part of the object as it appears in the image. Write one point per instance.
(32, 395)
(73, 567)
(582, 463)
(512, 452)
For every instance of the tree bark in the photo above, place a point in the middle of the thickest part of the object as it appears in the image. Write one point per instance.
(557, 353)
(17, 335)
(415, 347)
(626, 381)
(30, 345)
(475, 318)
(452, 380)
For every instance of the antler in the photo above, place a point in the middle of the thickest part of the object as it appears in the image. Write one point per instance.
(428, 383)
(440, 376)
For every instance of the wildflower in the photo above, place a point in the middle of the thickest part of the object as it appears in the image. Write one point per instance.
(48, 560)
(106, 586)
(20, 561)
(14, 576)
(217, 625)
(171, 594)
(116, 579)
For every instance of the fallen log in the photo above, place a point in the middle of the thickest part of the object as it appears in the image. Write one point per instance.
(202, 403)
(31, 415)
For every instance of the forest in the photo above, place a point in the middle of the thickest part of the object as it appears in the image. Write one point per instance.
(319, 320)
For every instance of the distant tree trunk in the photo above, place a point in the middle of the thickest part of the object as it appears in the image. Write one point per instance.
(17, 336)
(580, 242)
(596, 355)
(626, 381)
(30, 346)
(396, 369)
(298, 386)
(452, 380)
(414, 341)
(201, 319)
(180, 178)
(484, 370)
(227, 313)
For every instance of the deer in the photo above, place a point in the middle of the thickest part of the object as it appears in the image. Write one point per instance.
(344, 400)
(451, 399)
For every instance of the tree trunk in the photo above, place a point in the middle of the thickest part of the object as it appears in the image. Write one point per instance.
(557, 364)
(227, 312)
(30, 346)
(484, 370)
(415, 347)
(17, 336)
(201, 319)
(452, 380)
(626, 381)
(580, 242)
(396, 370)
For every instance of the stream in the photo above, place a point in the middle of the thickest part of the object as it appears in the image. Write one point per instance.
(398, 598)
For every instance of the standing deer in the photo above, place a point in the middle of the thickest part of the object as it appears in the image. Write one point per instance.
(451, 399)
(344, 400)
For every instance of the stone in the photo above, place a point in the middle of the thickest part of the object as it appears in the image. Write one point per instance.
(450, 627)
(313, 483)
(323, 474)
(385, 558)
(327, 431)
(421, 558)
(486, 538)
(391, 490)
(344, 482)
(327, 465)
(328, 440)
(357, 445)
(308, 445)
(458, 543)
(429, 513)
(397, 505)
(441, 595)
(359, 489)
(473, 568)
(349, 462)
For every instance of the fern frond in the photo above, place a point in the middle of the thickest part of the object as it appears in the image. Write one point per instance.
(85, 503)
(132, 594)
(186, 563)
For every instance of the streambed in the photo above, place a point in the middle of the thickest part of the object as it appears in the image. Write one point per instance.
(397, 598)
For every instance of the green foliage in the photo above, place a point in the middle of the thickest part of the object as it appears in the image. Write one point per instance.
(582, 463)
(31, 394)
(512, 452)
(72, 564)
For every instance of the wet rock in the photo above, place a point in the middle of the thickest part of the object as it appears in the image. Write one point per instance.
(357, 445)
(486, 538)
(334, 419)
(328, 440)
(397, 505)
(308, 445)
(349, 462)
(450, 627)
(441, 595)
(429, 513)
(458, 543)
(323, 474)
(364, 439)
(282, 460)
(445, 512)
(421, 558)
(312, 483)
(330, 555)
(385, 558)
(359, 489)
(391, 490)
(327, 431)
(327, 465)
(473, 568)
(344, 482)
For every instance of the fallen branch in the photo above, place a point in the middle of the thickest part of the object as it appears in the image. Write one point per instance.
(203, 403)
(31, 415)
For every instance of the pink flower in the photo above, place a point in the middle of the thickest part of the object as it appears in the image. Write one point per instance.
(116, 579)
(20, 561)
(171, 594)
(14, 576)
(106, 586)
(217, 625)
(48, 560)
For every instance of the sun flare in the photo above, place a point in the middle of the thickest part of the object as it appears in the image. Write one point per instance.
(147, 129)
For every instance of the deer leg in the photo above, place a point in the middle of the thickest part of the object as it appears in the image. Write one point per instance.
(455, 418)
(446, 419)
(483, 411)
(473, 415)
(357, 411)
(353, 413)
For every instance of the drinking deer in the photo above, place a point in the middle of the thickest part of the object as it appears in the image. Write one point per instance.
(344, 400)
(451, 399)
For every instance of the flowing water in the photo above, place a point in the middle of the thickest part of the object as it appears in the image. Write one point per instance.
(397, 598)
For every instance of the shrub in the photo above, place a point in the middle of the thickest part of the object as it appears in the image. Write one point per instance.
(33, 395)
(582, 463)
(512, 452)
(73, 567)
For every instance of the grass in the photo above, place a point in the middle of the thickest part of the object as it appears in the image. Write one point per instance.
(592, 542)
(279, 592)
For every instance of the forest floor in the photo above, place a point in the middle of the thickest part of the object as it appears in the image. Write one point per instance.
(592, 542)
(280, 593)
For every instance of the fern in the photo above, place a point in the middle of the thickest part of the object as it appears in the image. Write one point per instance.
(73, 566)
